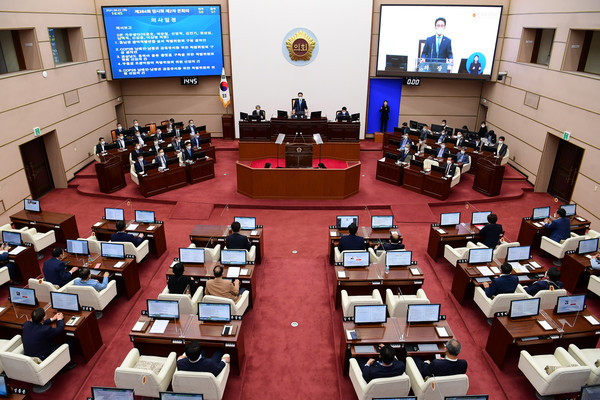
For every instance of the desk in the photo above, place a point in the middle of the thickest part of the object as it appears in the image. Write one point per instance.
(257, 150)
(156, 182)
(186, 329)
(388, 171)
(455, 236)
(506, 334)
(156, 237)
(268, 130)
(64, 225)
(27, 263)
(200, 170)
(373, 236)
(531, 235)
(362, 281)
(86, 331)
(395, 332)
(575, 272)
(211, 235)
(127, 277)
(464, 283)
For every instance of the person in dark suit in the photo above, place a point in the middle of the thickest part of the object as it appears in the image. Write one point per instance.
(258, 113)
(122, 236)
(442, 152)
(462, 157)
(560, 229)
(443, 138)
(176, 144)
(450, 168)
(5, 261)
(54, 269)
(140, 164)
(386, 366)
(478, 145)
(343, 113)
(191, 127)
(119, 129)
(236, 240)
(395, 243)
(300, 108)
(177, 131)
(501, 147)
(178, 283)
(405, 154)
(195, 360)
(405, 141)
(121, 143)
(188, 153)
(449, 365)
(475, 67)
(135, 127)
(483, 132)
(351, 241)
(194, 140)
(155, 146)
(492, 232)
(551, 280)
(161, 159)
(100, 147)
(438, 48)
(460, 140)
(139, 138)
(424, 132)
(505, 283)
(384, 110)
(405, 128)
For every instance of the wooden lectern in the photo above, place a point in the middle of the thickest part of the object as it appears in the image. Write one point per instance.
(298, 155)
(110, 175)
(488, 177)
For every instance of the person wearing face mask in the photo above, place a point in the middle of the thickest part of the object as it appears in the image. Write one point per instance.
(421, 146)
(161, 159)
(460, 140)
(384, 110)
(300, 108)
(442, 152)
(501, 148)
(159, 136)
(405, 154)
(405, 141)
(478, 145)
(122, 145)
(450, 168)
(136, 126)
(139, 139)
(483, 132)
(137, 151)
(100, 147)
(443, 137)
(191, 126)
(424, 132)
(140, 165)
(438, 48)
(155, 147)
(463, 157)
(194, 140)
(188, 153)
(176, 144)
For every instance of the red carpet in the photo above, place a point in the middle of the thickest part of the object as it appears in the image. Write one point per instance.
(187, 210)
(329, 163)
(417, 212)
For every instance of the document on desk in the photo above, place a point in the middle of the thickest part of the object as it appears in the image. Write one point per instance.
(159, 326)
(132, 227)
(519, 268)
(441, 331)
(233, 272)
(151, 228)
(341, 274)
(253, 233)
(591, 320)
(580, 219)
(495, 270)
(415, 271)
(441, 231)
(538, 224)
(97, 224)
(485, 271)
(535, 265)
(119, 264)
(545, 325)
(244, 272)
(333, 233)
(17, 250)
(138, 326)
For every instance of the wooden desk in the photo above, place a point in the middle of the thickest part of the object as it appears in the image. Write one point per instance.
(362, 281)
(27, 263)
(186, 329)
(268, 130)
(258, 150)
(575, 272)
(127, 277)
(464, 282)
(413, 179)
(86, 331)
(455, 236)
(110, 174)
(211, 235)
(388, 171)
(156, 237)
(507, 335)
(156, 182)
(531, 235)
(200, 170)
(372, 236)
(64, 225)
(395, 332)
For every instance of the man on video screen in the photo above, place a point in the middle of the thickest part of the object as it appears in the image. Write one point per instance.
(438, 48)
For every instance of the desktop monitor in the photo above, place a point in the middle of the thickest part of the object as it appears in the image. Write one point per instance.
(65, 301)
(355, 117)
(112, 250)
(587, 246)
(163, 309)
(590, 392)
(570, 304)
(114, 214)
(191, 255)
(524, 308)
(22, 296)
(468, 397)
(247, 223)
(32, 205)
(214, 312)
(12, 238)
(481, 256)
(398, 258)
(382, 221)
(540, 213)
(110, 393)
(356, 259)
(78, 247)
(315, 114)
(570, 209)
(417, 313)
(480, 217)
(243, 116)
(370, 314)
(233, 257)
(518, 253)
(450, 219)
(180, 396)
(144, 216)
(343, 221)
(282, 114)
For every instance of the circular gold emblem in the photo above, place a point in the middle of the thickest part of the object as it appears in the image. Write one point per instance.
(298, 149)
(300, 46)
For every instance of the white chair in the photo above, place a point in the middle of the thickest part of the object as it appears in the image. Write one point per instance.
(502, 249)
(90, 297)
(94, 245)
(398, 303)
(591, 234)
(453, 254)
(427, 163)
(348, 302)
(587, 357)
(20, 367)
(139, 252)
(237, 309)
(4, 346)
(43, 288)
(210, 254)
(375, 257)
(500, 302)
(339, 255)
(136, 373)
(505, 158)
(466, 168)
(381, 387)
(211, 387)
(187, 304)
(435, 388)
(455, 177)
(250, 254)
(558, 250)
(569, 377)
(547, 298)
(133, 174)
(594, 285)
(39, 240)
(4, 275)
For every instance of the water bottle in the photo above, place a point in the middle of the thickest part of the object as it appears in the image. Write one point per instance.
(387, 269)
(89, 263)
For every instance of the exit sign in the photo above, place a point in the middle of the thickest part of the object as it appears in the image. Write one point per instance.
(37, 131)
(567, 135)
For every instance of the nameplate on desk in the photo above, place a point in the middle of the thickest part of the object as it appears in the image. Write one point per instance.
(32, 222)
(418, 282)
(151, 228)
(229, 344)
(119, 264)
(591, 320)
(70, 333)
(377, 283)
(97, 224)
(255, 241)
(580, 219)
(203, 279)
(245, 281)
(177, 341)
(253, 233)
(441, 231)
(132, 227)
(333, 233)
(342, 275)
(118, 274)
(469, 237)
(56, 226)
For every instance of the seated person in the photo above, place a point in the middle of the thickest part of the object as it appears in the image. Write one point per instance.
(195, 360)
(405, 141)
(122, 236)
(121, 143)
(159, 136)
(443, 137)
(140, 165)
(258, 113)
(236, 240)
(450, 168)
(100, 147)
(595, 261)
(449, 365)
(351, 241)
(55, 270)
(343, 113)
(177, 132)
(394, 244)
(179, 283)
(560, 228)
(38, 335)
(462, 157)
(550, 280)
(492, 232)
(405, 128)
(155, 146)
(421, 146)
(386, 366)
(223, 287)
(424, 132)
(5, 261)
(84, 280)
(460, 140)
(119, 129)
(188, 153)
(137, 150)
(139, 138)
(191, 126)
(176, 144)
(194, 140)
(505, 283)
(161, 159)
(442, 152)
(478, 145)
(405, 154)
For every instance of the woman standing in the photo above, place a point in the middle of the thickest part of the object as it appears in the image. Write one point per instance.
(385, 116)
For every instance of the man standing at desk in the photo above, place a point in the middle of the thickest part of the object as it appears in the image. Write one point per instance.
(449, 365)
(351, 241)
(122, 236)
(505, 283)
(438, 48)
(55, 270)
(101, 146)
(195, 360)
(300, 108)
(236, 240)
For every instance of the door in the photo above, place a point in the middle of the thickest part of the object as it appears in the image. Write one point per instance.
(565, 171)
(37, 168)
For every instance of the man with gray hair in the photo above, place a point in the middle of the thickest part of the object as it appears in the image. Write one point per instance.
(449, 365)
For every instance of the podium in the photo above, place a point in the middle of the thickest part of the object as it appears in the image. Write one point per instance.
(488, 177)
(298, 155)
(110, 175)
